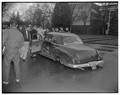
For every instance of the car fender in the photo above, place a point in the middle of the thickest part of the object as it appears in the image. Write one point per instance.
(60, 52)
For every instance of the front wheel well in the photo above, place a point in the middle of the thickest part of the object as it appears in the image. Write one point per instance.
(67, 58)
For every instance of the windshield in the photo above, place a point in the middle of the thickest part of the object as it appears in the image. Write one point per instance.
(64, 40)
(71, 39)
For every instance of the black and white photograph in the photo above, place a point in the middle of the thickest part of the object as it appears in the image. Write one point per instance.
(59, 47)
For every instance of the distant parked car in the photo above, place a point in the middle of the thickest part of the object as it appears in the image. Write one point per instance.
(69, 50)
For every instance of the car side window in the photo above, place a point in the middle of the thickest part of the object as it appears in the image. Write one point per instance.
(48, 38)
(57, 40)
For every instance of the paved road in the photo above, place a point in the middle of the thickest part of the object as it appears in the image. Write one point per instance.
(43, 75)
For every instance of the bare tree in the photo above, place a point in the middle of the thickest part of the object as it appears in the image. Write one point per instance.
(47, 11)
(80, 12)
(107, 17)
(39, 13)
(73, 6)
(5, 7)
(29, 14)
(5, 11)
(16, 18)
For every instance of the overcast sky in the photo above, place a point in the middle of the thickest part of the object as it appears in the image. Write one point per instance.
(20, 7)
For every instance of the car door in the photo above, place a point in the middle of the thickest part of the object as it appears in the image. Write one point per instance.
(54, 45)
(36, 44)
(45, 48)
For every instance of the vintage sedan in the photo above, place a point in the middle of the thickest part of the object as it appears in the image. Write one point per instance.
(69, 50)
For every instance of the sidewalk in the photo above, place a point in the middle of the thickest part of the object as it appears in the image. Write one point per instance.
(100, 39)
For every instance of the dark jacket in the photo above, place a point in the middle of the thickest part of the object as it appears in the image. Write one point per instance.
(33, 33)
(26, 34)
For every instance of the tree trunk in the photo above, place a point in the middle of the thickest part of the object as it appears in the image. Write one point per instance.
(108, 24)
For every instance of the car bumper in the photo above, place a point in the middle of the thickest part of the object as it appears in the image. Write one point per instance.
(89, 64)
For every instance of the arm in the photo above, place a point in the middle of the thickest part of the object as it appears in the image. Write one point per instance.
(21, 41)
(5, 37)
(29, 35)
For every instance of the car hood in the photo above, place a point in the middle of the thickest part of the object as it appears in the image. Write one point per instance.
(80, 50)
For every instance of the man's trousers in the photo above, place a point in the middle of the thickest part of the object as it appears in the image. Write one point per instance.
(6, 66)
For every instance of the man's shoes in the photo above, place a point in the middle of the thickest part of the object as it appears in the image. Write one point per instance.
(5, 87)
(18, 84)
(5, 82)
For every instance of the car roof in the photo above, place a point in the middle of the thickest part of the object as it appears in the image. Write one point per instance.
(62, 34)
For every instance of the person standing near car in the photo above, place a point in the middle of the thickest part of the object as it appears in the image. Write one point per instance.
(56, 29)
(33, 32)
(13, 41)
(61, 30)
(67, 30)
(41, 32)
(26, 48)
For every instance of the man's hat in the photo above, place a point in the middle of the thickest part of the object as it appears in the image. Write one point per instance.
(29, 25)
